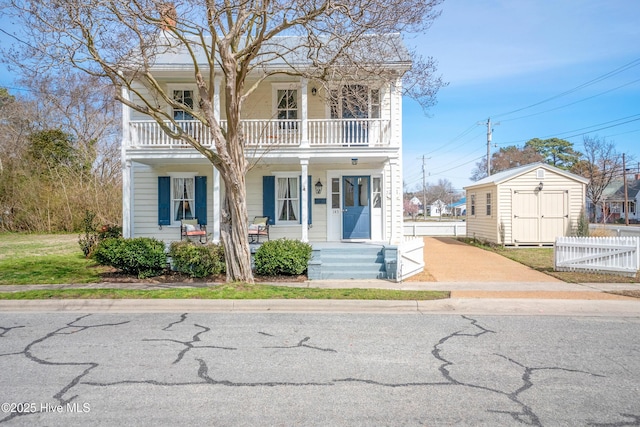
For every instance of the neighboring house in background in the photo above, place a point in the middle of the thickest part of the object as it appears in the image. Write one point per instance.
(437, 208)
(416, 202)
(328, 165)
(527, 205)
(614, 206)
(458, 208)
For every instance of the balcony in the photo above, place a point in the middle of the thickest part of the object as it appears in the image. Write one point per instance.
(272, 133)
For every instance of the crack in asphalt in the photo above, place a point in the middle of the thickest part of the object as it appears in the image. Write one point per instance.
(72, 328)
(526, 415)
(301, 343)
(635, 421)
(4, 329)
(190, 344)
(183, 317)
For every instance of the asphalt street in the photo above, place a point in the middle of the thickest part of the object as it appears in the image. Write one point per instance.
(294, 369)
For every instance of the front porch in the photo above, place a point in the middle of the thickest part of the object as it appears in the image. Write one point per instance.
(350, 260)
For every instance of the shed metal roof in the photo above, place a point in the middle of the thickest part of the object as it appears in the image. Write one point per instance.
(509, 174)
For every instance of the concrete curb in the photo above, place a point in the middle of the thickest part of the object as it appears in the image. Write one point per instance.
(486, 306)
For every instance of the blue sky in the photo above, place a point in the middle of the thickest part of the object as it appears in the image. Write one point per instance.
(518, 62)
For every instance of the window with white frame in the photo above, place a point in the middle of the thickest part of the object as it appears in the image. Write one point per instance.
(473, 204)
(488, 204)
(376, 193)
(183, 198)
(287, 199)
(287, 108)
(185, 97)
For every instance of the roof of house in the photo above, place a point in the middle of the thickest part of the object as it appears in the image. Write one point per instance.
(293, 51)
(460, 202)
(615, 190)
(509, 174)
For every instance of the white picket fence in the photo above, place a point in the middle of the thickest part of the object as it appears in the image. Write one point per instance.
(615, 255)
(411, 257)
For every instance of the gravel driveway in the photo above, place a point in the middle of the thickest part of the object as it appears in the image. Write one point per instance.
(449, 260)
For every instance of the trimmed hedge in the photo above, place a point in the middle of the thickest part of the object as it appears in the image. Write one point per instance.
(197, 260)
(142, 256)
(282, 257)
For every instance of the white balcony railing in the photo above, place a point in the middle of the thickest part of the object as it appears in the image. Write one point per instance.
(266, 133)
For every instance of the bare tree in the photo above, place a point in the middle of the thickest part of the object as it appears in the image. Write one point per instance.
(327, 40)
(601, 164)
(504, 159)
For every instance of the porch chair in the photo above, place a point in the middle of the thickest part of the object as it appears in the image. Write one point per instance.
(259, 227)
(190, 228)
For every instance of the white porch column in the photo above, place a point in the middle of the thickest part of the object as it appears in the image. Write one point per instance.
(127, 211)
(216, 206)
(304, 113)
(396, 201)
(304, 197)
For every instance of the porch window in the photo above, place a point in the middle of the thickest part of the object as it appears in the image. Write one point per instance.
(335, 193)
(287, 199)
(287, 108)
(377, 193)
(183, 198)
(184, 97)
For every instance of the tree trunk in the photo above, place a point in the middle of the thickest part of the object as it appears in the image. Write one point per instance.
(233, 231)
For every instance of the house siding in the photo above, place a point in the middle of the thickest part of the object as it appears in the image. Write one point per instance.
(481, 226)
(145, 199)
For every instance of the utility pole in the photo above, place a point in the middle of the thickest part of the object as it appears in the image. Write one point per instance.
(424, 186)
(626, 193)
(489, 135)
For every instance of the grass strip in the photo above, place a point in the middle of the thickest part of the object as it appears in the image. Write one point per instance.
(229, 291)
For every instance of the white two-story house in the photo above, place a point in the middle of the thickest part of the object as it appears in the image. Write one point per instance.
(326, 167)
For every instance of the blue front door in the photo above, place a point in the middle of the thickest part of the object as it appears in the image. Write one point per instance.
(356, 212)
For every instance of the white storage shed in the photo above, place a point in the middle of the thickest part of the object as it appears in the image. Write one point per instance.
(527, 205)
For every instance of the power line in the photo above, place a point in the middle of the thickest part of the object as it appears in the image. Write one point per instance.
(575, 89)
(572, 103)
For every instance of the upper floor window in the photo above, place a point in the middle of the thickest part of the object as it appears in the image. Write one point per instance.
(287, 106)
(355, 102)
(185, 97)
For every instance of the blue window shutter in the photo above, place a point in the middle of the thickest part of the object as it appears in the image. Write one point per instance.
(269, 198)
(164, 200)
(309, 197)
(201, 199)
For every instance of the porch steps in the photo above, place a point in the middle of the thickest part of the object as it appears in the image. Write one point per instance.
(359, 262)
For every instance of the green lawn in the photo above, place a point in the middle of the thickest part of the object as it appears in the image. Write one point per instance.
(541, 259)
(57, 259)
(44, 259)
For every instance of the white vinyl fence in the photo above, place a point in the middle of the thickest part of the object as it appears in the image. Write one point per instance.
(616, 255)
(435, 228)
(411, 257)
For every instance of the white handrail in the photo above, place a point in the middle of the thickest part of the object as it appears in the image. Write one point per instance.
(267, 132)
